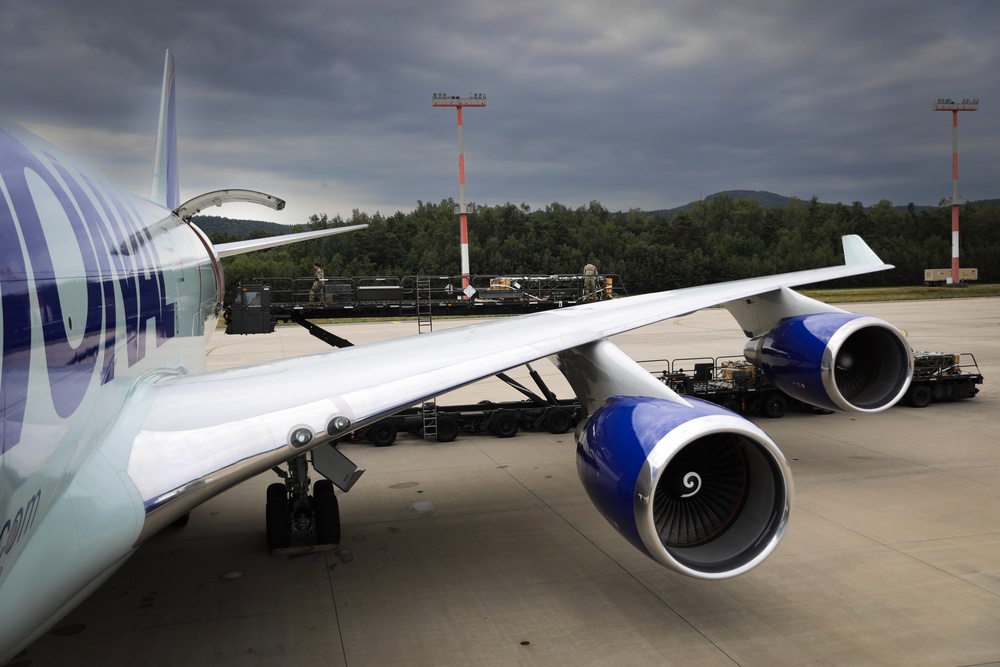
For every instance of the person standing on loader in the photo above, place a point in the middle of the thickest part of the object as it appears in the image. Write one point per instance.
(590, 282)
(316, 291)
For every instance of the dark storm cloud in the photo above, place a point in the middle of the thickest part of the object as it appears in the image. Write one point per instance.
(645, 104)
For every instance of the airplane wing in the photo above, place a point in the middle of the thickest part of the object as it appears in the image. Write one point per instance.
(239, 422)
(240, 247)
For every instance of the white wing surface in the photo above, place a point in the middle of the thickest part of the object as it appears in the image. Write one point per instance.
(204, 433)
(240, 247)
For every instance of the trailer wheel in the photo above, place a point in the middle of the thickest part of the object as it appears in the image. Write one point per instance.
(918, 395)
(447, 428)
(382, 434)
(731, 405)
(775, 406)
(558, 421)
(504, 424)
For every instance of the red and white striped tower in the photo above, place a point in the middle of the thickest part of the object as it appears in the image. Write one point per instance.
(954, 107)
(473, 100)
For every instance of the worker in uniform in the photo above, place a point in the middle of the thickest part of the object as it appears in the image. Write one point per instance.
(589, 282)
(316, 292)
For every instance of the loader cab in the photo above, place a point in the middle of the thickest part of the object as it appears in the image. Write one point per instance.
(251, 311)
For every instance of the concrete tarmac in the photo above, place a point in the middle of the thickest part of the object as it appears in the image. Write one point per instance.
(485, 551)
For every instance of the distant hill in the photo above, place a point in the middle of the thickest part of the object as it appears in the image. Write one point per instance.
(762, 197)
(773, 200)
(234, 230)
(213, 225)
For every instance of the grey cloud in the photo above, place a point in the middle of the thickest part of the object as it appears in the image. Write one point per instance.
(636, 103)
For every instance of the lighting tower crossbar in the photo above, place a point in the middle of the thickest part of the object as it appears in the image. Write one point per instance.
(954, 107)
(473, 100)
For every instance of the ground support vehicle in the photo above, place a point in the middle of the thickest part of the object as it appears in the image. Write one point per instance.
(292, 299)
(502, 419)
(941, 377)
(938, 277)
(732, 382)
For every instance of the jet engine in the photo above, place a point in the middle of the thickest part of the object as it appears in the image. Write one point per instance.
(841, 361)
(699, 489)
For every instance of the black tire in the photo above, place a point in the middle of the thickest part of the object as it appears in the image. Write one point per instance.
(382, 434)
(504, 424)
(918, 396)
(447, 428)
(322, 487)
(279, 524)
(558, 421)
(731, 405)
(277, 491)
(326, 509)
(775, 406)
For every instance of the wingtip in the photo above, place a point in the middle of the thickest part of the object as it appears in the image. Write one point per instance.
(858, 253)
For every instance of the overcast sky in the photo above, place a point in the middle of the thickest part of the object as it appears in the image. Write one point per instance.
(327, 103)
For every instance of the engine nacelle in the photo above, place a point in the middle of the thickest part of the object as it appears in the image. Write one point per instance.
(839, 361)
(699, 489)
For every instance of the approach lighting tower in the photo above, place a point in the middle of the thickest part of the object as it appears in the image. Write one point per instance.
(954, 107)
(473, 100)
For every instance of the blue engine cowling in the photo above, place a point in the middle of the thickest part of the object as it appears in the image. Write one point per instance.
(839, 361)
(699, 489)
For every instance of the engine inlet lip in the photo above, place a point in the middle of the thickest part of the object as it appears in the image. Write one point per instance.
(656, 463)
(828, 364)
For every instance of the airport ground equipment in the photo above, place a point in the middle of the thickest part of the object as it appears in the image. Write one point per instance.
(294, 516)
(290, 300)
(738, 385)
(732, 382)
(504, 419)
(942, 376)
(938, 277)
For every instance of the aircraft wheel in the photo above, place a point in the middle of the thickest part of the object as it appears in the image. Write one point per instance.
(775, 406)
(382, 434)
(279, 523)
(558, 421)
(447, 428)
(918, 395)
(322, 487)
(504, 424)
(326, 509)
(277, 491)
(732, 406)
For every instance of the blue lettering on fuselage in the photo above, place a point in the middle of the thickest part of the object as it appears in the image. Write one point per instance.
(18, 525)
(114, 249)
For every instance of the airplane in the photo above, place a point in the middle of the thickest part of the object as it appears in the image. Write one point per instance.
(112, 429)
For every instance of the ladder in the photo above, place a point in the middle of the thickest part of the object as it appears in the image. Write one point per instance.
(429, 410)
(425, 324)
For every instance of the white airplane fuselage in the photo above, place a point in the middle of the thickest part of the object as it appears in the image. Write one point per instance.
(99, 288)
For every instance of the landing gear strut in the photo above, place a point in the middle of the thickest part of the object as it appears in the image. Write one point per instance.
(291, 513)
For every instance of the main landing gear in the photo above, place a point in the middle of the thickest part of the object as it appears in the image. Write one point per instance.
(293, 515)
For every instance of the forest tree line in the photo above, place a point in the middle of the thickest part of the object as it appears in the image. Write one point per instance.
(722, 239)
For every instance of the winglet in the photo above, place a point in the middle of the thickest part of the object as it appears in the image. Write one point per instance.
(164, 188)
(857, 252)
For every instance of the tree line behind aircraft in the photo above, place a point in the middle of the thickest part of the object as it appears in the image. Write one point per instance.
(721, 239)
